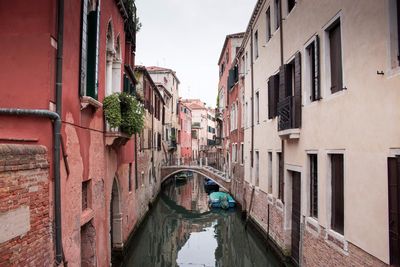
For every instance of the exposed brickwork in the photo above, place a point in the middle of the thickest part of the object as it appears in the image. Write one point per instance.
(24, 182)
(317, 251)
(259, 213)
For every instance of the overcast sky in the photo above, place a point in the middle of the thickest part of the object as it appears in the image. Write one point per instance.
(187, 36)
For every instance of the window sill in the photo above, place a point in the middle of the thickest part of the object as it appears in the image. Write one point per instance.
(86, 216)
(289, 134)
(312, 225)
(116, 138)
(87, 101)
(337, 240)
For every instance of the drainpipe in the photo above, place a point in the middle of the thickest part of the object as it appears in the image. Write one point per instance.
(56, 164)
(57, 131)
(252, 99)
(282, 63)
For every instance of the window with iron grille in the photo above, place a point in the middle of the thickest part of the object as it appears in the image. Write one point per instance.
(313, 159)
(337, 194)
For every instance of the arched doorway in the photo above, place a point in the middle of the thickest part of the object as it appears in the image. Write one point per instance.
(115, 218)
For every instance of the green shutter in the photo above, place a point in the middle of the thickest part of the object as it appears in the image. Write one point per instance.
(83, 62)
(93, 53)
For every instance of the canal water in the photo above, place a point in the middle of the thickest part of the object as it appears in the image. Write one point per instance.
(182, 231)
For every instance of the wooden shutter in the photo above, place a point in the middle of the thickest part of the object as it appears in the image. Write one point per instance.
(394, 210)
(336, 58)
(398, 31)
(83, 60)
(337, 172)
(317, 79)
(282, 82)
(93, 53)
(297, 91)
(271, 99)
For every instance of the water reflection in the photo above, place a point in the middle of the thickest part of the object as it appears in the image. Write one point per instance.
(182, 231)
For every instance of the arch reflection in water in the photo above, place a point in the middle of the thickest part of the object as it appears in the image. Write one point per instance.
(182, 231)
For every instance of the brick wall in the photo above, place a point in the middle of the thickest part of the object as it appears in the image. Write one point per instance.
(25, 225)
(319, 250)
(259, 213)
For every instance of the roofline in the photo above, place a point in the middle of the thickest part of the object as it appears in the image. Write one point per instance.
(229, 36)
(144, 70)
(165, 70)
(256, 11)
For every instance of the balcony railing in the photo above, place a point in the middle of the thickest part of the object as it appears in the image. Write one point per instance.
(285, 113)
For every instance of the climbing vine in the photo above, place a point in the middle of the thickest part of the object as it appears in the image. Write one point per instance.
(112, 110)
(124, 111)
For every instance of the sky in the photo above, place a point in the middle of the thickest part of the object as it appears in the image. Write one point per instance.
(187, 36)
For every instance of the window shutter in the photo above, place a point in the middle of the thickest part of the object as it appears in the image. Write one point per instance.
(126, 84)
(398, 30)
(297, 90)
(394, 209)
(83, 63)
(270, 98)
(317, 79)
(282, 82)
(336, 58)
(275, 94)
(93, 53)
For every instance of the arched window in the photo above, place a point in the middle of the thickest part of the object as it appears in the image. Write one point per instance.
(110, 52)
(116, 68)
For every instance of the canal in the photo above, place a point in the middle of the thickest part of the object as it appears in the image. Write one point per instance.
(181, 230)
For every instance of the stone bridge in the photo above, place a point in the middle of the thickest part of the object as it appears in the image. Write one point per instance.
(219, 177)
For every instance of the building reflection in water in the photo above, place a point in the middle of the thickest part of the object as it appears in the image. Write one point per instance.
(182, 231)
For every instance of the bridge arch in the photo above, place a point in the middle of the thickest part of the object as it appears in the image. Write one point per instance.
(170, 171)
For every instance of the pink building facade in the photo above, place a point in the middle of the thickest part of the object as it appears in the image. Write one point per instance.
(185, 132)
(71, 59)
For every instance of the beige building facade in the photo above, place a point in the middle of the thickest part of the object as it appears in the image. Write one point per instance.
(321, 102)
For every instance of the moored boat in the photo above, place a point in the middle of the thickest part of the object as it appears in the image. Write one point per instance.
(221, 200)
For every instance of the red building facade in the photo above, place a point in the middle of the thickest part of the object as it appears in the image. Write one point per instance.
(72, 55)
(230, 48)
(185, 132)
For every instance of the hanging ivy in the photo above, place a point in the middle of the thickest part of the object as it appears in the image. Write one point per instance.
(112, 110)
(132, 114)
(125, 111)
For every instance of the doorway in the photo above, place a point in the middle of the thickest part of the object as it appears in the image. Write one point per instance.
(296, 215)
(394, 210)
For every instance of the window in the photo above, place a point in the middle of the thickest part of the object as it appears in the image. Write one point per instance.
(280, 177)
(394, 27)
(290, 5)
(247, 62)
(86, 195)
(313, 159)
(273, 96)
(337, 201)
(247, 115)
(242, 113)
(257, 168)
(313, 73)
(270, 172)
(242, 153)
(268, 25)
(277, 8)
(258, 107)
(335, 56)
(234, 147)
(89, 62)
(130, 177)
(256, 44)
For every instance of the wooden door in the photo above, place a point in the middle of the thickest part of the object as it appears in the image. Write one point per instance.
(296, 215)
(394, 210)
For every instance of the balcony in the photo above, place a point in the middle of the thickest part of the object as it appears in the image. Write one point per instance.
(289, 118)
(115, 137)
(196, 125)
(172, 145)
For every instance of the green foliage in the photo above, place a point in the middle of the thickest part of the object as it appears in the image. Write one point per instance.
(125, 111)
(132, 114)
(112, 110)
(217, 100)
(132, 13)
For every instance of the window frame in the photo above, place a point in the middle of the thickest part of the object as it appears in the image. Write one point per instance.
(325, 53)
